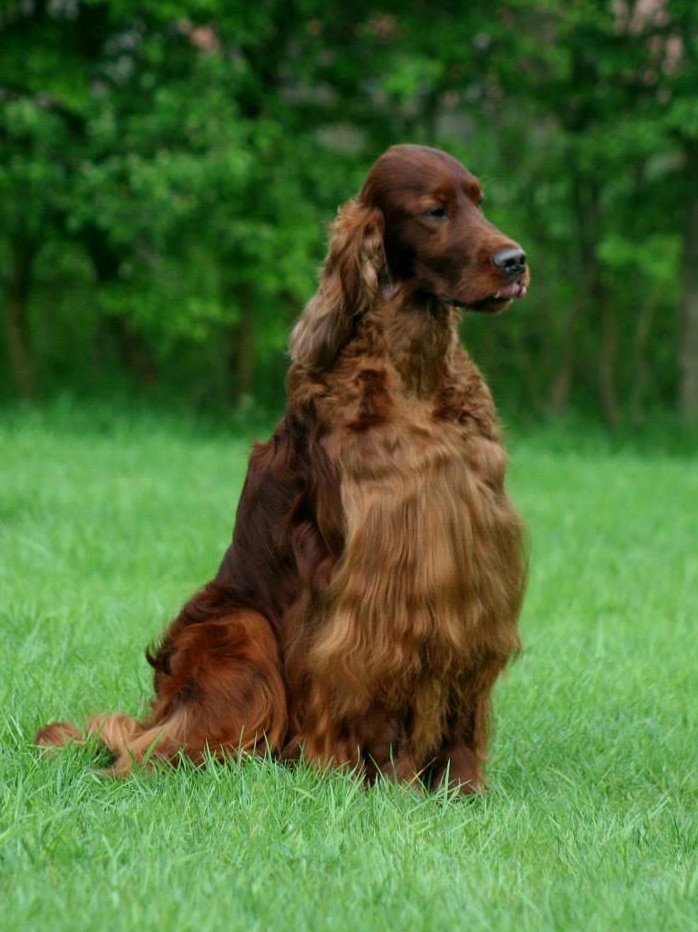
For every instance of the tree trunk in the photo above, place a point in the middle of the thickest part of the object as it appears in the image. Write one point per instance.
(17, 324)
(242, 357)
(607, 361)
(562, 382)
(593, 301)
(688, 351)
(641, 369)
(134, 354)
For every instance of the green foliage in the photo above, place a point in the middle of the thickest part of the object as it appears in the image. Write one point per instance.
(193, 153)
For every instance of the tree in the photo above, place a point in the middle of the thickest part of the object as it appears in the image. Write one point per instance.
(677, 53)
(176, 162)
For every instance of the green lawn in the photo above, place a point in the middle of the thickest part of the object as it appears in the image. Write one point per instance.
(591, 822)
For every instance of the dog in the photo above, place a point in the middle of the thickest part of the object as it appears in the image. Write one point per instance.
(370, 596)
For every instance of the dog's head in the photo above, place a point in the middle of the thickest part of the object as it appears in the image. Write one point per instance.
(416, 225)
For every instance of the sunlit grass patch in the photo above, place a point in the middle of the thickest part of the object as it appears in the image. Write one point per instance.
(591, 819)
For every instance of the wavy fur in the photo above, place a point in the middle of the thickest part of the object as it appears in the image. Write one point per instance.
(369, 598)
(348, 287)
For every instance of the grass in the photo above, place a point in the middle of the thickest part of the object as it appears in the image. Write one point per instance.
(107, 522)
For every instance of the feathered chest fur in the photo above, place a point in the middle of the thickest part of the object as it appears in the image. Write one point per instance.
(431, 573)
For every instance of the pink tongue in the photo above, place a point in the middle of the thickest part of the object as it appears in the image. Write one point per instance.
(515, 290)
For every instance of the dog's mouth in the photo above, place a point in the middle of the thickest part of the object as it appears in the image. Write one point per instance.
(501, 298)
(515, 290)
(491, 303)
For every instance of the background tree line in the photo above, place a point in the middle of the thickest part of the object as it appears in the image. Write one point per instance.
(167, 169)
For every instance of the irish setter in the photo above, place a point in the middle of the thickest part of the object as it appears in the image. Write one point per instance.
(369, 598)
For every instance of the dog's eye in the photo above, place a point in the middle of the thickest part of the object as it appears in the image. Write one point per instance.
(438, 213)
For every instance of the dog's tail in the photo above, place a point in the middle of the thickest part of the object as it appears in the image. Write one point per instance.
(222, 694)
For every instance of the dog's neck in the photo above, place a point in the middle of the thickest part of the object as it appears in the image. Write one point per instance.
(419, 337)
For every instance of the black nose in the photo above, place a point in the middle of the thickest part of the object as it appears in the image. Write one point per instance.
(511, 260)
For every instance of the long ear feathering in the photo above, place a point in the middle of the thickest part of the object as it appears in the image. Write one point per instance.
(349, 283)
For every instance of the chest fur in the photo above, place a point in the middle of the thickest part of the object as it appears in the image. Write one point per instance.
(431, 573)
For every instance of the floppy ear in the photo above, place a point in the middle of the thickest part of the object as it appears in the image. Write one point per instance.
(348, 286)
